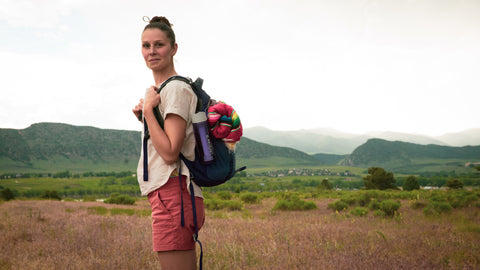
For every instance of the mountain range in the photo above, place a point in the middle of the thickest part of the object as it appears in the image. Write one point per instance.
(409, 157)
(331, 141)
(53, 147)
(50, 147)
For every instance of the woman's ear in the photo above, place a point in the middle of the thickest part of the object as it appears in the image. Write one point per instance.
(174, 49)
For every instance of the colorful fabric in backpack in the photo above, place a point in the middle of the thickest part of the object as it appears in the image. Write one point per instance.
(225, 124)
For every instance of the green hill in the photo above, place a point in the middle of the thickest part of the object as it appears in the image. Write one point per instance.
(329, 159)
(53, 147)
(50, 147)
(402, 156)
(255, 154)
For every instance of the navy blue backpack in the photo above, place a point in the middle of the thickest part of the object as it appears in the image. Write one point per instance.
(223, 168)
(204, 175)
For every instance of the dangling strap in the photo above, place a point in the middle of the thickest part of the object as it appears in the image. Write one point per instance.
(194, 209)
(146, 136)
(195, 235)
(182, 218)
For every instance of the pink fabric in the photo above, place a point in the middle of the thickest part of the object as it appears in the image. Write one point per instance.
(224, 122)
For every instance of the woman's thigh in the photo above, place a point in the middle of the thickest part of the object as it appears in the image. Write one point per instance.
(178, 259)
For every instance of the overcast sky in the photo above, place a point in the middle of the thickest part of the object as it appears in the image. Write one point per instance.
(351, 65)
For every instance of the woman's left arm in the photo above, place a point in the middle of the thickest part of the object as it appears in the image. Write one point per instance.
(168, 141)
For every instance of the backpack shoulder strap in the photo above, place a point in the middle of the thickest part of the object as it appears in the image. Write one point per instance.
(176, 77)
(156, 111)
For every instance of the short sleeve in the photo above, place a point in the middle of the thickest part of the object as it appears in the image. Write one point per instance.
(177, 98)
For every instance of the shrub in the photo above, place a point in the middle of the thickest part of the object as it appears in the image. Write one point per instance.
(437, 208)
(281, 205)
(418, 204)
(338, 205)
(89, 198)
(234, 205)
(364, 199)
(213, 204)
(469, 199)
(438, 197)
(454, 184)
(249, 198)
(116, 198)
(411, 183)
(359, 211)
(7, 195)
(294, 205)
(389, 207)
(460, 199)
(326, 185)
(304, 205)
(207, 195)
(378, 213)
(224, 195)
(374, 205)
(50, 194)
(217, 204)
(287, 196)
(350, 200)
(374, 194)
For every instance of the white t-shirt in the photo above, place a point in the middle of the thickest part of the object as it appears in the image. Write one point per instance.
(177, 97)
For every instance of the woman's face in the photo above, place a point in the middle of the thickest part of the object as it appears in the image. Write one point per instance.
(157, 49)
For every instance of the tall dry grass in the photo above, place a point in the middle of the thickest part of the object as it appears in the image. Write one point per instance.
(73, 235)
(69, 235)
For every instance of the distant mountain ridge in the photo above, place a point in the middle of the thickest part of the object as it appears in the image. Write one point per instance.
(331, 141)
(398, 155)
(306, 141)
(44, 140)
(53, 147)
(57, 146)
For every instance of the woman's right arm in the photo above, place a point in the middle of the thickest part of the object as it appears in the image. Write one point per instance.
(169, 140)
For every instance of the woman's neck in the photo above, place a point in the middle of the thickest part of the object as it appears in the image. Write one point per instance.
(162, 76)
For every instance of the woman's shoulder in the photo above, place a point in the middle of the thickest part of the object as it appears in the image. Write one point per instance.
(178, 97)
(178, 89)
(177, 84)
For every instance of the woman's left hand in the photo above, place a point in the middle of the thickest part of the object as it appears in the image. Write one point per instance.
(152, 98)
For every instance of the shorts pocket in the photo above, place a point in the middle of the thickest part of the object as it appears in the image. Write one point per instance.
(200, 207)
(160, 212)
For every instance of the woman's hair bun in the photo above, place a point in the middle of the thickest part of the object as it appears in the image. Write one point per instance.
(161, 23)
(160, 19)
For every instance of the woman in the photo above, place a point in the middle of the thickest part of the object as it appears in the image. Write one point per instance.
(173, 242)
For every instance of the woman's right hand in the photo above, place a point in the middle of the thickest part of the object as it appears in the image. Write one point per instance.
(137, 111)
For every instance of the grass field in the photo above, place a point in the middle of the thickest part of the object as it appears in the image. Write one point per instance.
(36, 234)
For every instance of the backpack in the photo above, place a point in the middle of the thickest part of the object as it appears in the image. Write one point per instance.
(205, 175)
(223, 167)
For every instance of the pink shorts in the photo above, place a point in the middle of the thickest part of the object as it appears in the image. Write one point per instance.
(167, 231)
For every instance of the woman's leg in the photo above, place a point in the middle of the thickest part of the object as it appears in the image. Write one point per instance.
(178, 259)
